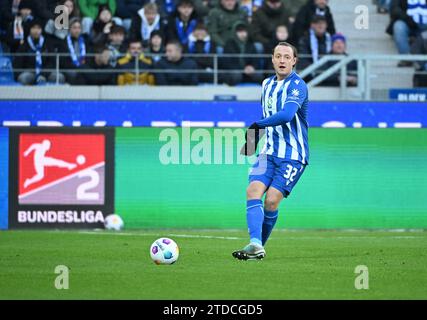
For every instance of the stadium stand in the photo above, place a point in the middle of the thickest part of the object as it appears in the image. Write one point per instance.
(113, 23)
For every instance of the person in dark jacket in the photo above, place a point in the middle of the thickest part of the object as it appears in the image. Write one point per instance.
(76, 46)
(182, 23)
(305, 16)
(175, 61)
(265, 20)
(102, 27)
(200, 42)
(57, 35)
(316, 43)
(19, 29)
(406, 20)
(240, 44)
(32, 63)
(99, 70)
(156, 47)
(126, 9)
(145, 21)
(221, 20)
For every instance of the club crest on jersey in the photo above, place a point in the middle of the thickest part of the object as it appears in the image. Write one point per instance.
(295, 92)
(270, 102)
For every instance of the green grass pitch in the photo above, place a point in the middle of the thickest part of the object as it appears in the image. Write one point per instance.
(298, 265)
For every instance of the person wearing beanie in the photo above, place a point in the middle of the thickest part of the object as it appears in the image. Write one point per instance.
(339, 49)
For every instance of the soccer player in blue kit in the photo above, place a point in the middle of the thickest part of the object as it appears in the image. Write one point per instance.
(285, 154)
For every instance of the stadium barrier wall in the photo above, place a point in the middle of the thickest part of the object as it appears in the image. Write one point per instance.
(202, 113)
(357, 178)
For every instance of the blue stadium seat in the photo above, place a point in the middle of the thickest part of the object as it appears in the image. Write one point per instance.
(6, 72)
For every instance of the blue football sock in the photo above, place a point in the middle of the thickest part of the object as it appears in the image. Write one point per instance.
(270, 218)
(255, 217)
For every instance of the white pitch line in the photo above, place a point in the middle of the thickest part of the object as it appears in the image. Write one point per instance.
(156, 234)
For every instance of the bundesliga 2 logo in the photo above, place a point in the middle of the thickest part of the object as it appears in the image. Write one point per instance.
(61, 168)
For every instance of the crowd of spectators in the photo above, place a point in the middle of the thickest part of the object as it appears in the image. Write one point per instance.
(122, 42)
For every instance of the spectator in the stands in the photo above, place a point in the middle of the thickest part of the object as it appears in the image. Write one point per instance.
(156, 46)
(420, 47)
(240, 44)
(221, 20)
(201, 43)
(339, 48)
(116, 43)
(293, 6)
(102, 26)
(180, 65)
(57, 35)
(265, 20)
(34, 59)
(19, 29)
(305, 16)
(281, 34)
(99, 71)
(76, 46)
(136, 66)
(182, 22)
(126, 9)
(146, 21)
(315, 43)
(90, 9)
(408, 19)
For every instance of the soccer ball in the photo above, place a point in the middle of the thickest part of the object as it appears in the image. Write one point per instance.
(164, 251)
(113, 222)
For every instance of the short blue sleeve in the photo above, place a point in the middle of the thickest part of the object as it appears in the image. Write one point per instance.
(296, 93)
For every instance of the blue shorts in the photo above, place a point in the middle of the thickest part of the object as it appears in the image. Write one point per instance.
(282, 174)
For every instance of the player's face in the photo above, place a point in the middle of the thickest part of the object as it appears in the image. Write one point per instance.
(283, 61)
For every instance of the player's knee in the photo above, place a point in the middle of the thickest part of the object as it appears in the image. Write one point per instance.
(253, 192)
(271, 203)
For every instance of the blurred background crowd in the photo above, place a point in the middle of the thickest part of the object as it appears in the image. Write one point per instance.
(157, 42)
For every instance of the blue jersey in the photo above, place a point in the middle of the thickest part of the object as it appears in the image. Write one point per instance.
(289, 140)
